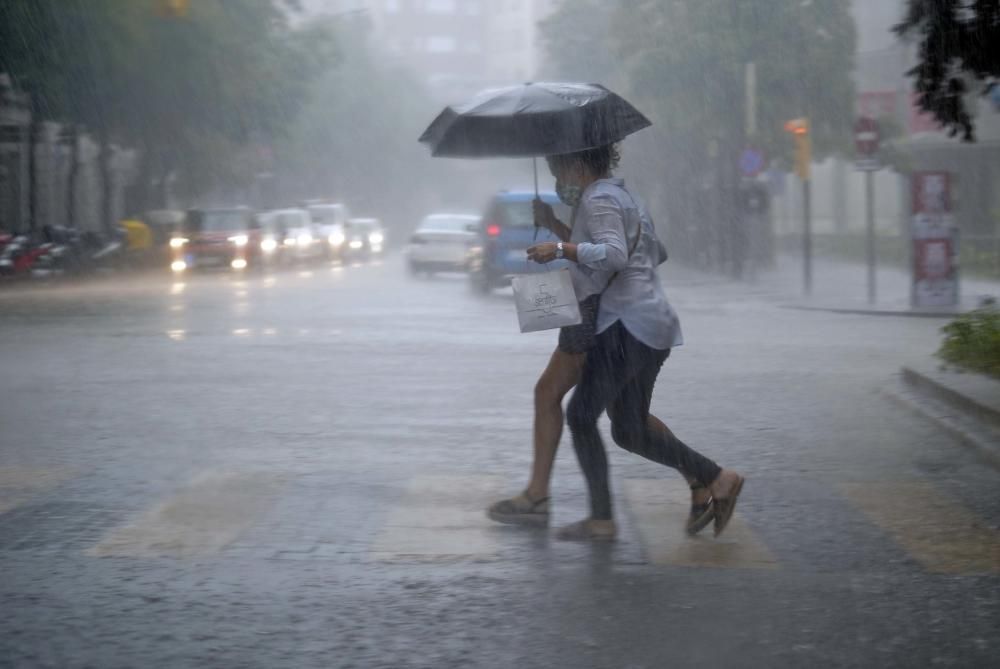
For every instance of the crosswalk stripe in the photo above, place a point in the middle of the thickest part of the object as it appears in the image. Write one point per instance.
(200, 519)
(18, 483)
(939, 532)
(440, 518)
(659, 509)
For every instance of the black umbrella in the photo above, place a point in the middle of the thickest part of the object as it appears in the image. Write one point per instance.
(534, 119)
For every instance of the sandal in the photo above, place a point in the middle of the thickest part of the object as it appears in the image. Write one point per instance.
(724, 506)
(521, 510)
(701, 514)
(585, 530)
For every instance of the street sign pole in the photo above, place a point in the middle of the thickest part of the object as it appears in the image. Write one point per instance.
(866, 141)
(807, 236)
(870, 224)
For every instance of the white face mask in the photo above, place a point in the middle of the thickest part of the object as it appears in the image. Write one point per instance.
(568, 193)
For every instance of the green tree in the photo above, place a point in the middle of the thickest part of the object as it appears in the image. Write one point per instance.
(959, 47)
(683, 63)
(191, 92)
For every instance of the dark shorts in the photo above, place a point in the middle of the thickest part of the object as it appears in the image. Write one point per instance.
(580, 338)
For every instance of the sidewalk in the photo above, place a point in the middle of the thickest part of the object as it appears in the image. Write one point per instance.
(964, 404)
(842, 286)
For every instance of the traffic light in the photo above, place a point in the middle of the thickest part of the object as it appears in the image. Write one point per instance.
(172, 9)
(799, 127)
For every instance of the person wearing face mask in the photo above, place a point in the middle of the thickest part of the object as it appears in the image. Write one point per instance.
(583, 181)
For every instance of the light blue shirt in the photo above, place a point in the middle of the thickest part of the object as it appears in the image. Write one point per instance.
(605, 227)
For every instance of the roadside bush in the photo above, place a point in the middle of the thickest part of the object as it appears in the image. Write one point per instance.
(972, 341)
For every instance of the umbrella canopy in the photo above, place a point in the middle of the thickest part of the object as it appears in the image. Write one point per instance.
(534, 119)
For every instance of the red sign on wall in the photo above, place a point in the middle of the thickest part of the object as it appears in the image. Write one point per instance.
(877, 104)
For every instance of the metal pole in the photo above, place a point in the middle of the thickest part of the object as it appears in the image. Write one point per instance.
(32, 178)
(74, 144)
(807, 236)
(870, 224)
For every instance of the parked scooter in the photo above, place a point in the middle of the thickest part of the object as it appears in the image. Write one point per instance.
(70, 252)
(19, 256)
(60, 252)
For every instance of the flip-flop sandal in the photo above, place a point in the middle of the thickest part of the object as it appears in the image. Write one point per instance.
(701, 514)
(520, 510)
(583, 531)
(724, 507)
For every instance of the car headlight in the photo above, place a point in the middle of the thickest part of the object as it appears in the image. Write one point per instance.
(305, 240)
(290, 241)
(178, 266)
(375, 238)
(336, 239)
(268, 245)
(356, 243)
(239, 240)
(177, 242)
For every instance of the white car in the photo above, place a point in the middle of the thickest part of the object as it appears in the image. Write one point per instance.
(301, 240)
(441, 243)
(330, 221)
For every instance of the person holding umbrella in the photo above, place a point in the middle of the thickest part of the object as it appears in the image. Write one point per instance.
(636, 329)
(531, 507)
(556, 119)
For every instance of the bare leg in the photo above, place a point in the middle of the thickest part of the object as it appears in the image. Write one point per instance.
(559, 377)
(531, 507)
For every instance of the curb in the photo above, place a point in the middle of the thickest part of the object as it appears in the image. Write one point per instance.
(968, 435)
(862, 311)
(965, 405)
(973, 394)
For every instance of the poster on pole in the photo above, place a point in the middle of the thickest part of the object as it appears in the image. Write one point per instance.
(935, 241)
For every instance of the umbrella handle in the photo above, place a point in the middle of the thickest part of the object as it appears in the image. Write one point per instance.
(534, 168)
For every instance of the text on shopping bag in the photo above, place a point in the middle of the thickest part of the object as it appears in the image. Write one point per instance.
(545, 301)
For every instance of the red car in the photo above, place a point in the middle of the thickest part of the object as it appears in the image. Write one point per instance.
(222, 237)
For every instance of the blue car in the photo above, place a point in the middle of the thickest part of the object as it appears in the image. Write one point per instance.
(506, 231)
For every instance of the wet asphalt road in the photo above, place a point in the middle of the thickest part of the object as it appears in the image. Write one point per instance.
(289, 470)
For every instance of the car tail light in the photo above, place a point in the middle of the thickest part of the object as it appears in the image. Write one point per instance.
(492, 230)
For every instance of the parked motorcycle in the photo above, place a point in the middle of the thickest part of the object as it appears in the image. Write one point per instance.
(19, 257)
(71, 252)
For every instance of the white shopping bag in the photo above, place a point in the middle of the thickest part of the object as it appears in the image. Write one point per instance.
(545, 300)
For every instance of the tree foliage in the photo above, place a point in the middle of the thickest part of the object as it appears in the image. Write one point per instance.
(189, 91)
(959, 47)
(684, 63)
